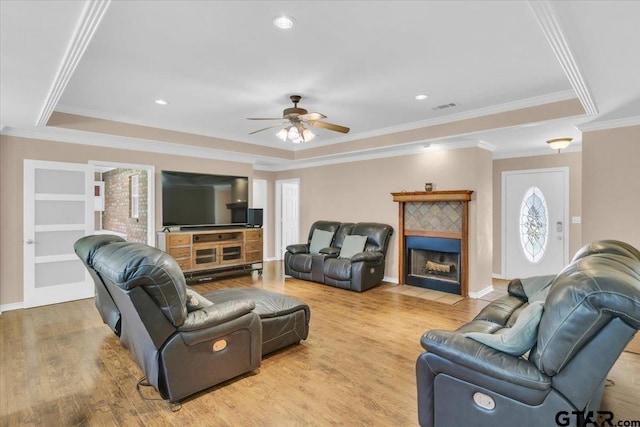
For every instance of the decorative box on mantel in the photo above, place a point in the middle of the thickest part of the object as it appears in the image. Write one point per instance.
(433, 239)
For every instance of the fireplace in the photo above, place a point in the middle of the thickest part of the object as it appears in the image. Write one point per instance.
(433, 239)
(433, 263)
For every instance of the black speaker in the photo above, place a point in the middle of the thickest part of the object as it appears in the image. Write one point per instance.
(254, 217)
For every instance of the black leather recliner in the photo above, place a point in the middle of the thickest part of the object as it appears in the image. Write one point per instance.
(591, 312)
(362, 271)
(86, 249)
(181, 351)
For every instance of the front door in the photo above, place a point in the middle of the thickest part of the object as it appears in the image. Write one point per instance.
(535, 212)
(58, 210)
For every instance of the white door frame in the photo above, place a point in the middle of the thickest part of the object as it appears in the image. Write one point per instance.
(278, 213)
(565, 171)
(260, 200)
(151, 192)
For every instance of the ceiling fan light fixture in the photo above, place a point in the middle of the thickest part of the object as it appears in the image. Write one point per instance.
(559, 143)
(283, 22)
(293, 133)
(307, 135)
(282, 134)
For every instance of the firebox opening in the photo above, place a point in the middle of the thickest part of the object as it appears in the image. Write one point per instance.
(436, 265)
(433, 263)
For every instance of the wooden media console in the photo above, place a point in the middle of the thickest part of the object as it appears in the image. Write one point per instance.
(214, 252)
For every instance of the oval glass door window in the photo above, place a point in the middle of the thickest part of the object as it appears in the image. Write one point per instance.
(534, 225)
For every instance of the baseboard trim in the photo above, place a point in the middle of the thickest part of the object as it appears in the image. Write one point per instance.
(480, 294)
(390, 279)
(498, 276)
(11, 307)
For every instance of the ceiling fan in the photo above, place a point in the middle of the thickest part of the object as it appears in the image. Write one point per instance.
(296, 118)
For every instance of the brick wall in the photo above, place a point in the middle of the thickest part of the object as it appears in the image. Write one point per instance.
(117, 204)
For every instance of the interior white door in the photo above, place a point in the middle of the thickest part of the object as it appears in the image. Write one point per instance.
(290, 215)
(535, 211)
(58, 210)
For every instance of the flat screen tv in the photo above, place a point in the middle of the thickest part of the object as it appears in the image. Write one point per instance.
(203, 200)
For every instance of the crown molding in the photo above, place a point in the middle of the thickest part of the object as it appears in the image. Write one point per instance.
(264, 163)
(413, 148)
(609, 124)
(575, 147)
(120, 118)
(472, 114)
(73, 136)
(547, 18)
(89, 21)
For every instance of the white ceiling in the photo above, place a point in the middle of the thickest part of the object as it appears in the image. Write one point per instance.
(359, 62)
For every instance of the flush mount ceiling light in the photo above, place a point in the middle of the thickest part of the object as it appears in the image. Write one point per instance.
(421, 97)
(160, 102)
(283, 22)
(559, 143)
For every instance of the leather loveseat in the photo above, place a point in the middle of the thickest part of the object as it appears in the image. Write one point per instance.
(591, 310)
(331, 265)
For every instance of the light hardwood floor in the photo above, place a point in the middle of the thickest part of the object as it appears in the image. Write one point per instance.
(59, 365)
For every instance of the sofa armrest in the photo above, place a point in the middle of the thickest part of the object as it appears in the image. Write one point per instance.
(460, 350)
(330, 251)
(216, 314)
(300, 248)
(367, 256)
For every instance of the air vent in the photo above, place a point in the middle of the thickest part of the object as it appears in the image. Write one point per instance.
(444, 106)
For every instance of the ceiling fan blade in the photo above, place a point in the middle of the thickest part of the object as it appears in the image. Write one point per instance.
(270, 127)
(330, 126)
(264, 118)
(312, 116)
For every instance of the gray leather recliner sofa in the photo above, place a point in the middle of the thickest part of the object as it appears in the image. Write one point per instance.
(180, 350)
(591, 312)
(360, 272)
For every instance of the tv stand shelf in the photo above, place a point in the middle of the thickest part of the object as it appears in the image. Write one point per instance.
(214, 251)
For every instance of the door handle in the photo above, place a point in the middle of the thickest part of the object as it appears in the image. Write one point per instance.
(29, 241)
(559, 229)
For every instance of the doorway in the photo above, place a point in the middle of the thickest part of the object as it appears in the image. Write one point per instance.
(287, 215)
(259, 201)
(128, 200)
(535, 212)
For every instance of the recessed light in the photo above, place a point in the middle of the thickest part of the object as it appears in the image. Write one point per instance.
(421, 97)
(283, 22)
(161, 102)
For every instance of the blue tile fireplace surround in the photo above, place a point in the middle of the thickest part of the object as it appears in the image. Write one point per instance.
(433, 239)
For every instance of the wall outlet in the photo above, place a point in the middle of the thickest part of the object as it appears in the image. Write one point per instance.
(575, 220)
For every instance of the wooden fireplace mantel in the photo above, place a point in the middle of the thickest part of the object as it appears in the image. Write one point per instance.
(405, 197)
(433, 196)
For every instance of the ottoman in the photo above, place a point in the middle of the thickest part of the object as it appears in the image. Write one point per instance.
(285, 320)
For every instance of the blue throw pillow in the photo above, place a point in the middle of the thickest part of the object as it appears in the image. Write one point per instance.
(519, 338)
(536, 288)
(319, 240)
(352, 245)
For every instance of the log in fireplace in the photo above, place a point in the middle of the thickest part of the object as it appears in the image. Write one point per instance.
(433, 263)
(433, 239)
